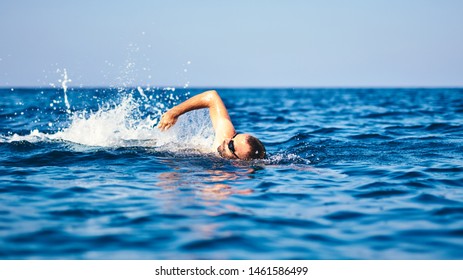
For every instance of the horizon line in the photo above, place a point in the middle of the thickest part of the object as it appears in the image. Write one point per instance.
(237, 87)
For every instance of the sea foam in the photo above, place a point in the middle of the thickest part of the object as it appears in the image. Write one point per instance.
(130, 123)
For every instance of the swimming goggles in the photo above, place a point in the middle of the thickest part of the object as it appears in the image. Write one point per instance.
(231, 146)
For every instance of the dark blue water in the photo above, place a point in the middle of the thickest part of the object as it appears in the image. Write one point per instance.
(351, 174)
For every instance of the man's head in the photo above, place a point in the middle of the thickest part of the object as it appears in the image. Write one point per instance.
(242, 146)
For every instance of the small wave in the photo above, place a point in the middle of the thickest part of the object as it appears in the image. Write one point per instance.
(411, 175)
(444, 127)
(445, 169)
(344, 215)
(281, 119)
(222, 243)
(77, 213)
(370, 136)
(295, 139)
(393, 114)
(326, 130)
(433, 199)
(404, 127)
(449, 211)
(381, 193)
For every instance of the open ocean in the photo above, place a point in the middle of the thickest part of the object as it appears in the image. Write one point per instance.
(351, 174)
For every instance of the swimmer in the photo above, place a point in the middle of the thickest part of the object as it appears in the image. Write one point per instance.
(229, 143)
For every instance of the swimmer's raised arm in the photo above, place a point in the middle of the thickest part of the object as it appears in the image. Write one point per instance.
(227, 142)
(221, 121)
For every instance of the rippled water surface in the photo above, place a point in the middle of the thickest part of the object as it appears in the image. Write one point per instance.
(351, 174)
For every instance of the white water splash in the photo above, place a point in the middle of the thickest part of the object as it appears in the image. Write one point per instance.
(140, 90)
(115, 126)
(64, 85)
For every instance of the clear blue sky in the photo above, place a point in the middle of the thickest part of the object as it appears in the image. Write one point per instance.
(311, 43)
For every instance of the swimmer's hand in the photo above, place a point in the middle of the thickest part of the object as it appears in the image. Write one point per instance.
(167, 120)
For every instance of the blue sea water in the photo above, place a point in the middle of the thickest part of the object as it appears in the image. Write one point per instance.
(351, 174)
